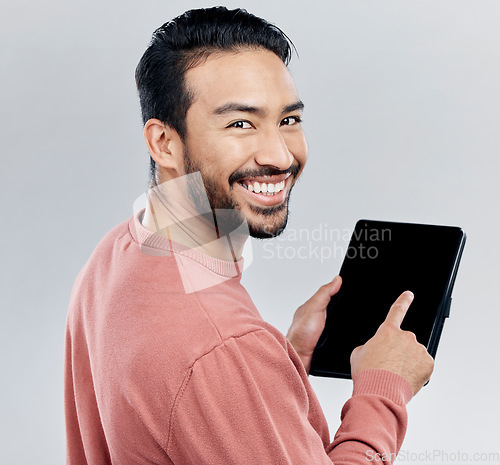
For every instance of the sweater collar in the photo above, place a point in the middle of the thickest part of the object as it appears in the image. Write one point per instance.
(154, 244)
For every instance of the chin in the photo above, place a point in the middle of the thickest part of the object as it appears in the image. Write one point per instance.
(264, 230)
(264, 234)
(267, 222)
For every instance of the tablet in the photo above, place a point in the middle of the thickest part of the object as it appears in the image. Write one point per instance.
(383, 260)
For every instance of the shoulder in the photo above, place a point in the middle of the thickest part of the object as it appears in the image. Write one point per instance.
(101, 255)
(105, 246)
(111, 239)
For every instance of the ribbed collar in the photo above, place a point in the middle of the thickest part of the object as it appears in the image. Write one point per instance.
(153, 244)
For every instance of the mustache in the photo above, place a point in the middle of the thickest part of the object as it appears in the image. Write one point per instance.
(264, 171)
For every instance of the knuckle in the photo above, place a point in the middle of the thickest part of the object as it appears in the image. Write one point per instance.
(398, 306)
(402, 301)
(425, 358)
(411, 337)
(430, 361)
(355, 351)
(421, 351)
(407, 338)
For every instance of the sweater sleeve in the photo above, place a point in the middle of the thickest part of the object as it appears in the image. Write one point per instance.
(374, 420)
(245, 402)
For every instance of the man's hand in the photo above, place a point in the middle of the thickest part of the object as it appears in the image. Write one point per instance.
(395, 350)
(309, 321)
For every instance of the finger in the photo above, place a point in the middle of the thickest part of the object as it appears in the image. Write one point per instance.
(325, 292)
(328, 290)
(398, 310)
(334, 285)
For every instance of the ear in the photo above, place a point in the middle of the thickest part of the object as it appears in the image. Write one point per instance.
(165, 147)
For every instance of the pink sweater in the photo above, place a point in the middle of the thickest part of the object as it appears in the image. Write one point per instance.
(155, 375)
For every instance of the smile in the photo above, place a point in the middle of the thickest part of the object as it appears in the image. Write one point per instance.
(268, 190)
(264, 188)
(270, 185)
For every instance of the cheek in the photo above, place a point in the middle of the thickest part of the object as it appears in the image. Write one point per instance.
(297, 145)
(228, 156)
(218, 161)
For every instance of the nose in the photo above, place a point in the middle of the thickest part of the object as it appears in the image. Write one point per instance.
(273, 151)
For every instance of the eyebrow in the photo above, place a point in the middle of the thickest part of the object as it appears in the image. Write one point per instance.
(231, 107)
(293, 107)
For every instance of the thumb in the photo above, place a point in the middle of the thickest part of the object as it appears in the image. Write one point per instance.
(334, 285)
(325, 292)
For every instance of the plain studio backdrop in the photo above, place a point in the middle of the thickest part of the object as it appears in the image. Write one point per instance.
(402, 119)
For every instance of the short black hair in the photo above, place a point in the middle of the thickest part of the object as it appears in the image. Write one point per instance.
(184, 42)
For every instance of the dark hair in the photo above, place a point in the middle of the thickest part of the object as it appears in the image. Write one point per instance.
(183, 43)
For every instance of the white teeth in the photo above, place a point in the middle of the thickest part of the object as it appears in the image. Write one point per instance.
(278, 187)
(265, 188)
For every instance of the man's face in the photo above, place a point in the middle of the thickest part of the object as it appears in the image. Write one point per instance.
(244, 136)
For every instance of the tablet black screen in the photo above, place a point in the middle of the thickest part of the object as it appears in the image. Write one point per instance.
(383, 260)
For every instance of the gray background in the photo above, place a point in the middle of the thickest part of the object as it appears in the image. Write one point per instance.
(402, 118)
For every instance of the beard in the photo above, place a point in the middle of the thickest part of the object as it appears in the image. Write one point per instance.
(227, 212)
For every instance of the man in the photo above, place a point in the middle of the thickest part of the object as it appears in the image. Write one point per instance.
(167, 359)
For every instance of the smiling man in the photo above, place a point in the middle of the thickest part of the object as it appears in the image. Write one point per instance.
(167, 359)
(243, 135)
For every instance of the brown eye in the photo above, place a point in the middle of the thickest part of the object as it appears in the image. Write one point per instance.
(290, 120)
(241, 125)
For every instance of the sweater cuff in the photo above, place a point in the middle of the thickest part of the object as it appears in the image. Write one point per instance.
(383, 383)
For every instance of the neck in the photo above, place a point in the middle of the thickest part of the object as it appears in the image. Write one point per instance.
(171, 212)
